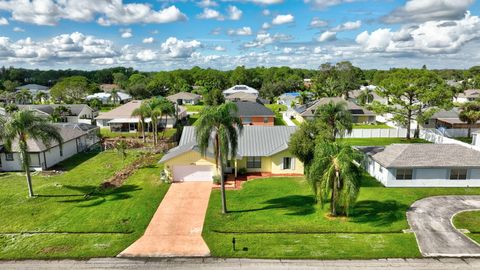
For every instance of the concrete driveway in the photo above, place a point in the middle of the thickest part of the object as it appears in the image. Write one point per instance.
(431, 221)
(176, 228)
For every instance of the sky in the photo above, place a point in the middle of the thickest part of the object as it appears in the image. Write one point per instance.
(159, 35)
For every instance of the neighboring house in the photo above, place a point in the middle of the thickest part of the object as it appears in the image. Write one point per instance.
(105, 97)
(423, 165)
(110, 87)
(78, 113)
(447, 119)
(288, 99)
(120, 119)
(260, 150)
(355, 94)
(476, 138)
(467, 96)
(240, 88)
(307, 112)
(242, 96)
(255, 114)
(76, 138)
(185, 98)
(34, 89)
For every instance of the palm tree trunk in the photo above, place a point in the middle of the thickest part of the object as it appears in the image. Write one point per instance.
(469, 131)
(26, 165)
(334, 194)
(165, 128)
(143, 132)
(222, 188)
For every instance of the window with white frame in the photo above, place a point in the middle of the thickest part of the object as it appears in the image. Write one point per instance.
(404, 174)
(458, 174)
(254, 162)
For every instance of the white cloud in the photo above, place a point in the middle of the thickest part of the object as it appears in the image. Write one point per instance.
(347, 26)
(126, 33)
(234, 13)
(266, 26)
(266, 2)
(327, 3)
(327, 36)
(176, 48)
(209, 13)
(428, 10)
(283, 19)
(266, 12)
(207, 3)
(146, 55)
(219, 49)
(3, 21)
(317, 23)
(148, 40)
(18, 29)
(263, 38)
(244, 31)
(216, 31)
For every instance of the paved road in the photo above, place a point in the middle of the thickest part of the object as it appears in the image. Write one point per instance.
(430, 220)
(287, 120)
(217, 264)
(176, 227)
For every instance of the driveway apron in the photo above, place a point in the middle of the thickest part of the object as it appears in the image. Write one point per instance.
(431, 221)
(176, 228)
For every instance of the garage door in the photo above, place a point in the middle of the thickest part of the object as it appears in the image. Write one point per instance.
(192, 173)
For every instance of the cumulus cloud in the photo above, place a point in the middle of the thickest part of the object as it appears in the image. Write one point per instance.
(347, 26)
(207, 3)
(148, 40)
(176, 48)
(3, 21)
(266, 2)
(209, 13)
(327, 36)
(263, 38)
(318, 23)
(244, 31)
(126, 33)
(50, 12)
(428, 10)
(266, 26)
(219, 49)
(18, 29)
(234, 13)
(283, 19)
(327, 3)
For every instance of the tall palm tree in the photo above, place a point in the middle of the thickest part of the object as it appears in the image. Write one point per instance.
(142, 113)
(23, 96)
(154, 107)
(40, 97)
(60, 114)
(168, 109)
(336, 117)
(366, 96)
(21, 126)
(114, 97)
(333, 174)
(302, 98)
(220, 127)
(470, 114)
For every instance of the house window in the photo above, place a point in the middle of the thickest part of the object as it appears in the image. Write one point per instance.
(254, 162)
(458, 174)
(265, 120)
(9, 156)
(287, 163)
(247, 120)
(404, 174)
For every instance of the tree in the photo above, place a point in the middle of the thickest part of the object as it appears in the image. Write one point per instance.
(214, 97)
(114, 97)
(220, 127)
(137, 86)
(121, 148)
(11, 107)
(336, 117)
(470, 114)
(24, 125)
(40, 97)
(153, 105)
(303, 98)
(120, 79)
(333, 174)
(23, 96)
(413, 94)
(9, 86)
(73, 89)
(142, 113)
(95, 103)
(302, 142)
(167, 108)
(366, 96)
(60, 114)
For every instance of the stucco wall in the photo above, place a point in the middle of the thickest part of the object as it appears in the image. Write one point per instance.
(189, 158)
(274, 164)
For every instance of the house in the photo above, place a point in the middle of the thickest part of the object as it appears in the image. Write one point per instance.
(120, 119)
(109, 87)
(76, 138)
(240, 88)
(355, 94)
(476, 138)
(255, 114)
(307, 112)
(423, 165)
(105, 97)
(447, 119)
(288, 99)
(77, 113)
(241, 96)
(260, 150)
(34, 89)
(185, 98)
(467, 96)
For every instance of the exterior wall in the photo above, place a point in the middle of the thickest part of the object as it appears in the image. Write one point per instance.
(476, 139)
(189, 158)
(266, 165)
(364, 119)
(52, 156)
(274, 164)
(259, 121)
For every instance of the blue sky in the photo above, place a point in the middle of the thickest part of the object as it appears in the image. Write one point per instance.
(164, 35)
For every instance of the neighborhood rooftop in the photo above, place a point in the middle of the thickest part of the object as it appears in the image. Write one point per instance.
(248, 108)
(426, 155)
(309, 109)
(75, 109)
(183, 95)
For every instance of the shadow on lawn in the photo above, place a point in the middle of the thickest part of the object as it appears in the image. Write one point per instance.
(297, 205)
(74, 161)
(94, 195)
(378, 213)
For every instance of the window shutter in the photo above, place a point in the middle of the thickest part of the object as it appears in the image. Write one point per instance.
(293, 163)
(281, 164)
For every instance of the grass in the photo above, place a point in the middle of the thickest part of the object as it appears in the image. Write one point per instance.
(192, 118)
(194, 108)
(469, 220)
(295, 121)
(77, 219)
(278, 218)
(379, 141)
(278, 120)
(276, 107)
(465, 139)
(371, 126)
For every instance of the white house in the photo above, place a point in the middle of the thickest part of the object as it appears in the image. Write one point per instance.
(423, 165)
(76, 138)
(34, 89)
(78, 113)
(476, 138)
(288, 99)
(240, 88)
(467, 96)
(105, 97)
(185, 98)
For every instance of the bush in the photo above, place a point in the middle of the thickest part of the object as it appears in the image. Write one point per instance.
(242, 171)
(216, 180)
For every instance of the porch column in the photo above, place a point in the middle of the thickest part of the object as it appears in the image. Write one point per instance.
(236, 170)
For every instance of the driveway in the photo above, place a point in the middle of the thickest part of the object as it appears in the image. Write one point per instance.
(176, 228)
(287, 120)
(431, 221)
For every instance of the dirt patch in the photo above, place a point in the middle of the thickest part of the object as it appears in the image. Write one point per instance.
(56, 249)
(340, 218)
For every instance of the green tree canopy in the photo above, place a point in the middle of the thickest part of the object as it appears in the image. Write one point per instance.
(73, 89)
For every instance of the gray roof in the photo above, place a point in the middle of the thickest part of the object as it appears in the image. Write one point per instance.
(427, 156)
(255, 141)
(183, 95)
(248, 108)
(309, 109)
(75, 109)
(241, 96)
(470, 93)
(453, 113)
(32, 87)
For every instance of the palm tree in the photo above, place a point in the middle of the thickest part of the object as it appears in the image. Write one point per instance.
(40, 97)
(23, 96)
(121, 148)
(24, 125)
(60, 113)
(95, 103)
(366, 96)
(333, 174)
(142, 113)
(336, 117)
(154, 108)
(470, 113)
(114, 97)
(220, 127)
(168, 109)
(302, 98)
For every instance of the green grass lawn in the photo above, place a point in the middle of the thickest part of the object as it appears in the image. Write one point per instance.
(469, 220)
(464, 139)
(374, 126)
(192, 118)
(379, 141)
(295, 121)
(278, 120)
(278, 218)
(194, 108)
(79, 220)
(276, 107)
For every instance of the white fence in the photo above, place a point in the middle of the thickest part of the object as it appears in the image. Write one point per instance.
(402, 133)
(435, 136)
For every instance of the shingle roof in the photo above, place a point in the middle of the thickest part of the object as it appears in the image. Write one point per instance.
(309, 109)
(75, 109)
(470, 93)
(248, 108)
(427, 155)
(32, 87)
(183, 95)
(124, 111)
(256, 141)
(240, 88)
(242, 96)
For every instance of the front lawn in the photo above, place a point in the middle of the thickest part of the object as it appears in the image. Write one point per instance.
(72, 217)
(371, 126)
(469, 220)
(296, 122)
(194, 108)
(379, 141)
(278, 218)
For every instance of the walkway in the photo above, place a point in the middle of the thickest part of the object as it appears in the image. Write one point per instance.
(430, 220)
(219, 264)
(287, 120)
(176, 228)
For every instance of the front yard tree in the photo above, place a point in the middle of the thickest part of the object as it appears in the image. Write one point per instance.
(142, 113)
(336, 117)
(219, 127)
(214, 97)
(413, 94)
(334, 177)
(24, 125)
(470, 114)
